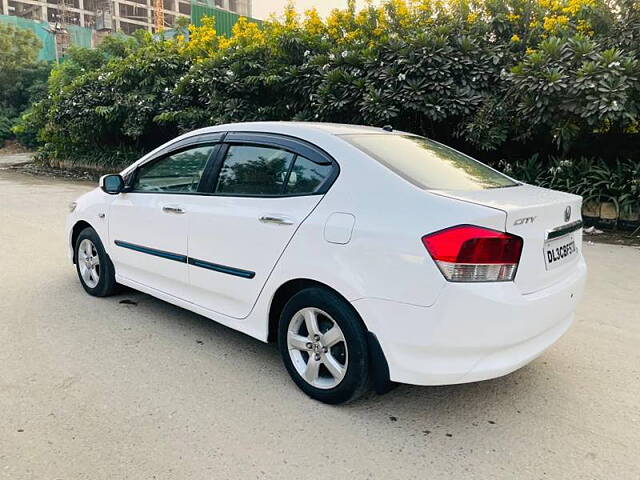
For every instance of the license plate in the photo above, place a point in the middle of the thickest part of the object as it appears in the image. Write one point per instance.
(560, 251)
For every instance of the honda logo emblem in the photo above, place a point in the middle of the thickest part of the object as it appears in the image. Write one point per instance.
(567, 213)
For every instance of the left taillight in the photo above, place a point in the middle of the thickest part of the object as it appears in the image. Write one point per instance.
(467, 253)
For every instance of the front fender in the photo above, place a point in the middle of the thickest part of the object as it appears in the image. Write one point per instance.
(92, 208)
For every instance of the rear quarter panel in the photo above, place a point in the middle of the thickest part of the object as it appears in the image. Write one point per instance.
(385, 258)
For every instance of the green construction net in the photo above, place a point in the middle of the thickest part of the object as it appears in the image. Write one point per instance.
(224, 20)
(78, 35)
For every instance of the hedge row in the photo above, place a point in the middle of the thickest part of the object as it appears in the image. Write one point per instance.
(502, 79)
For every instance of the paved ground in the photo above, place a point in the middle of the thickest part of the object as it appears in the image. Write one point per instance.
(15, 159)
(97, 389)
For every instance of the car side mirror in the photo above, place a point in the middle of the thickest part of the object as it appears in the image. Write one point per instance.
(112, 184)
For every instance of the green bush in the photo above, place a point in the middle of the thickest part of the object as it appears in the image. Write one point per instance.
(27, 128)
(35, 125)
(502, 79)
(505, 80)
(593, 178)
(114, 105)
(571, 89)
(5, 128)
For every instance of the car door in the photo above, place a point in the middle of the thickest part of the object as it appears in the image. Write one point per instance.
(148, 223)
(261, 190)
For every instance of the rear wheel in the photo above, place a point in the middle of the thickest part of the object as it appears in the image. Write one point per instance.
(323, 346)
(94, 267)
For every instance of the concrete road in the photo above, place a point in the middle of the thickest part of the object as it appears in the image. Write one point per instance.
(15, 159)
(101, 389)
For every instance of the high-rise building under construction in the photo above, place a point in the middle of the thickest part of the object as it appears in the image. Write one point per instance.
(124, 16)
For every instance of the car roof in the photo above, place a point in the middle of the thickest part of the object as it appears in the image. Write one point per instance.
(298, 128)
(304, 130)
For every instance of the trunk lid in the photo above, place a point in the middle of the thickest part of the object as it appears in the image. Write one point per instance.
(538, 216)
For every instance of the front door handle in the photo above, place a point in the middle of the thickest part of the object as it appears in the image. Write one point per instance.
(277, 219)
(172, 209)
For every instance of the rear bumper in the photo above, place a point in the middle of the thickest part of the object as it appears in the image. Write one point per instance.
(473, 331)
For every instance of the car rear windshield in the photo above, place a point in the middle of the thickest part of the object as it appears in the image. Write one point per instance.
(428, 164)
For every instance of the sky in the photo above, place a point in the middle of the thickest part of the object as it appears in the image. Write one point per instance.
(262, 8)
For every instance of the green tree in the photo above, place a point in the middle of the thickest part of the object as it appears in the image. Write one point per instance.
(22, 77)
(120, 100)
(18, 47)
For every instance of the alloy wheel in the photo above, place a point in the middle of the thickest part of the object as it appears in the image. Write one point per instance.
(89, 263)
(317, 348)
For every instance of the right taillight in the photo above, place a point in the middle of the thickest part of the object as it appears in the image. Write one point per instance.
(467, 253)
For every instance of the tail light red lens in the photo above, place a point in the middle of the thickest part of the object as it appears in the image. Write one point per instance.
(467, 253)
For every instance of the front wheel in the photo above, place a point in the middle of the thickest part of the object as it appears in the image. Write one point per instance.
(323, 346)
(94, 267)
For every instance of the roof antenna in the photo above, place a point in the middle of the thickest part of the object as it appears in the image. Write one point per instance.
(388, 128)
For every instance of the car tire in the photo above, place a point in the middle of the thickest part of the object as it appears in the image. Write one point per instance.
(328, 364)
(94, 267)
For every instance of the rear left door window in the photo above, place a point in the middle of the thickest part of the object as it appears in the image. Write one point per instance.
(254, 171)
(306, 176)
(259, 194)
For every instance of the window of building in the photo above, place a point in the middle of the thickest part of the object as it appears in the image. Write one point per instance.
(128, 28)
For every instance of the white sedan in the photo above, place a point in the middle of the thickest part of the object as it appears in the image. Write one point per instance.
(370, 256)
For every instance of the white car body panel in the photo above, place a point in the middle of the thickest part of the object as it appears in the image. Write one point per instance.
(139, 219)
(92, 208)
(544, 210)
(431, 331)
(227, 231)
(473, 331)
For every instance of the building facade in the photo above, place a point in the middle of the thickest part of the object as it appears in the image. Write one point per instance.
(124, 16)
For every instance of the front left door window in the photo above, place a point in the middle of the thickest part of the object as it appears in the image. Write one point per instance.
(176, 173)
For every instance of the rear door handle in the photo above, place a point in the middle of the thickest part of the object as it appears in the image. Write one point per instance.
(172, 209)
(277, 219)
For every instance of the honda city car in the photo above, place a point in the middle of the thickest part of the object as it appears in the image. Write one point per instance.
(369, 256)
